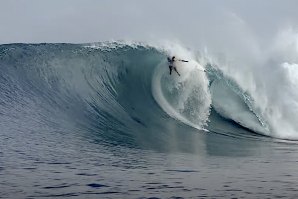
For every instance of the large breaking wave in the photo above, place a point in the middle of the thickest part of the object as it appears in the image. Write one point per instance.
(121, 89)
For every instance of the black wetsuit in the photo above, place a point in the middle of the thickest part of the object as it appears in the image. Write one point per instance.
(171, 65)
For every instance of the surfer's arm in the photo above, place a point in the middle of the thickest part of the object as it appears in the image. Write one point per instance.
(182, 60)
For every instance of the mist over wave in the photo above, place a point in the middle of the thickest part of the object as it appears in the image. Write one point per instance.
(267, 78)
(125, 89)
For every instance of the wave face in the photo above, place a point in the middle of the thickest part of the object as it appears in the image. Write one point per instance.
(121, 92)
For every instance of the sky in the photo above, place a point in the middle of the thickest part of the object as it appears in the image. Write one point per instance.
(189, 21)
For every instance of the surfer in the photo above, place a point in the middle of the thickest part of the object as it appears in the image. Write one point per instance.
(171, 64)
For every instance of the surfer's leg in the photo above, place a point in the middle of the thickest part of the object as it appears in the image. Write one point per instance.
(171, 68)
(176, 71)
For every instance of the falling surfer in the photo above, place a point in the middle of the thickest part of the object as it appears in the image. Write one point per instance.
(171, 64)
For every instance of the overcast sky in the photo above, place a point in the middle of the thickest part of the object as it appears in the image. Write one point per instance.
(190, 21)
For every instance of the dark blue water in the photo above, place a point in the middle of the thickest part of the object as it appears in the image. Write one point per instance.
(79, 122)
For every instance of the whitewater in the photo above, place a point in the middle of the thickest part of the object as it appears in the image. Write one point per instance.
(75, 117)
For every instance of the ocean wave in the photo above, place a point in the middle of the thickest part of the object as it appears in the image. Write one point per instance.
(121, 89)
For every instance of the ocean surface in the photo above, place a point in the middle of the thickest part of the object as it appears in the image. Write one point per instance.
(106, 120)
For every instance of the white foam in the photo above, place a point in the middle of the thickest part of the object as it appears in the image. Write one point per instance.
(270, 77)
(192, 87)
